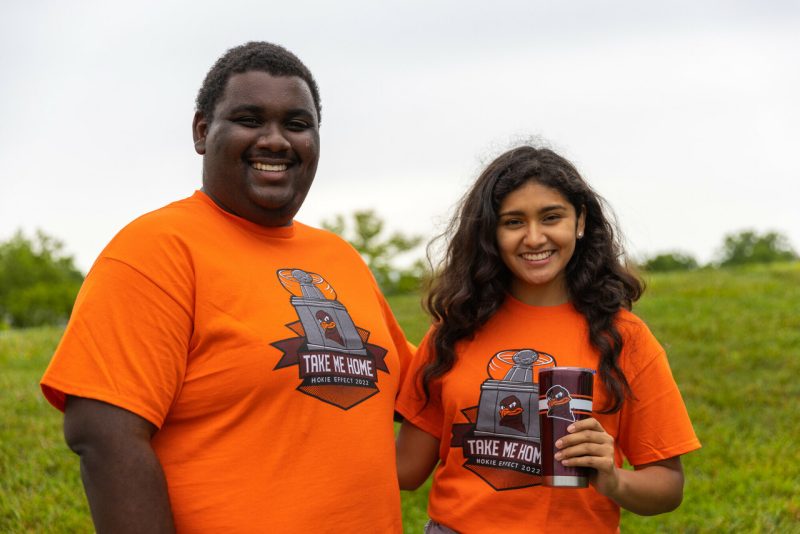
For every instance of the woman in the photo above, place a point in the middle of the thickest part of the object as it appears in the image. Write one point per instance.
(532, 279)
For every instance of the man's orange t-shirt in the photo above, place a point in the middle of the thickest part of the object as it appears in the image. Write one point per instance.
(267, 358)
(488, 478)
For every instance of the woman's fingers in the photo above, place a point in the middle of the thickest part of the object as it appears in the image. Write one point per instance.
(587, 445)
(584, 436)
(584, 449)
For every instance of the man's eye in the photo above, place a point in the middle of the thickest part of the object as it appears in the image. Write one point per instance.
(298, 125)
(250, 122)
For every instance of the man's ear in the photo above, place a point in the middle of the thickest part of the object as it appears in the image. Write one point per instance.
(199, 132)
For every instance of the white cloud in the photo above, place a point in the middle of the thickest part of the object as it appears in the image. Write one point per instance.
(682, 114)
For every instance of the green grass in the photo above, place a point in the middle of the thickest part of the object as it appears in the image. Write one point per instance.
(733, 338)
(40, 488)
(408, 311)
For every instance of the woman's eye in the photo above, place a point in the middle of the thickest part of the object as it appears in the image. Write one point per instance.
(512, 222)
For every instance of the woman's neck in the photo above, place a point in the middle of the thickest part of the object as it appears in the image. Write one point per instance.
(553, 294)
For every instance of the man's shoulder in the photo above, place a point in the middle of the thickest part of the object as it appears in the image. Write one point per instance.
(323, 237)
(162, 229)
(324, 243)
(180, 212)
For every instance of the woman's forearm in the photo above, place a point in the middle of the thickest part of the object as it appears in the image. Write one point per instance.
(417, 454)
(650, 489)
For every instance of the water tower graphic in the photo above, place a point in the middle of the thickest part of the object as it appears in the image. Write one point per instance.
(509, 407)
(326, 323)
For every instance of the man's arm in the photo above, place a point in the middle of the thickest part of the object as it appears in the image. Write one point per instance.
(121, 474)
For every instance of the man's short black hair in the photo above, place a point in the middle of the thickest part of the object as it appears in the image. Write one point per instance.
(255, 55)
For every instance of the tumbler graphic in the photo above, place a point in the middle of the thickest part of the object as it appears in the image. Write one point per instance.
(565, 396)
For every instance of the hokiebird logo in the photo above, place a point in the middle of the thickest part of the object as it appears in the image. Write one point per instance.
(336, 362)
(500, 442)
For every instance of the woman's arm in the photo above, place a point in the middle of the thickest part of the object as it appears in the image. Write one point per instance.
(649, 489)
(417, 455)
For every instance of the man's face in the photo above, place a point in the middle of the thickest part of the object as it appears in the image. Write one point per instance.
(262, 147)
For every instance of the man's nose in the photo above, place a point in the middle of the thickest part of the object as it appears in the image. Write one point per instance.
(272, 138)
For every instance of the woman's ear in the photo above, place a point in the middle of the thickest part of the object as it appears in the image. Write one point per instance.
(199, 132)
(581, 226)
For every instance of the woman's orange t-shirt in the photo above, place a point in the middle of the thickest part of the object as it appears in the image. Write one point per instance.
(487, 479)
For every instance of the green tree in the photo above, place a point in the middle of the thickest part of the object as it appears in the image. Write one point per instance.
(366, 234)
(748, 246)
(669, 261)
(38, 282)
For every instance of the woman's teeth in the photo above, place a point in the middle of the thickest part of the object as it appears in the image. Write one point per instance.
(537, 256)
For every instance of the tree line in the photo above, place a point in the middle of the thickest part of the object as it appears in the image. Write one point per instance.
(39, 281)
(739, 248)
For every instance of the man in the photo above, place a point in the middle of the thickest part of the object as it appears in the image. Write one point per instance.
(227, 369)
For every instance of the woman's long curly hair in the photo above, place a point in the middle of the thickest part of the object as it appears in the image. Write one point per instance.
(472, 281)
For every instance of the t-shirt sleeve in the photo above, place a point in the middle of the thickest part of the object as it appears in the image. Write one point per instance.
(126, 344)
(405, 350)
(411, 403)
(654, 424)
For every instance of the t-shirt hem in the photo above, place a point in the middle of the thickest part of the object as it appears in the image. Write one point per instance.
(56, 394)
(663, 454)
(417, 421)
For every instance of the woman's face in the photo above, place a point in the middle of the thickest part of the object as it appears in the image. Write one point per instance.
(537, 230)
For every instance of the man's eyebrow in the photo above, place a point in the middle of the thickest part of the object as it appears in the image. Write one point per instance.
(252, 108)
(259, 111)
(300, 111)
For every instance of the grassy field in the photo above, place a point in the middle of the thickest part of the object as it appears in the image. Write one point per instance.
(733, 337)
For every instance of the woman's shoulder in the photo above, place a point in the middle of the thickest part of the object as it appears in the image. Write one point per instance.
(630, 323)
(640, 346)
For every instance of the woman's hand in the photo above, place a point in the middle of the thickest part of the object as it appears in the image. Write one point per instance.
(648, 489)
(589, 445)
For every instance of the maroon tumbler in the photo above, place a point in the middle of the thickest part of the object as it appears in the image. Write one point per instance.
(565, 396)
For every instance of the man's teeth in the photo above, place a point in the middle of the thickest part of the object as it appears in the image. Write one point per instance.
(269, 167)
(538, 256)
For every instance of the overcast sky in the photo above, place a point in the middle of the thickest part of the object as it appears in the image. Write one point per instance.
(683, 114)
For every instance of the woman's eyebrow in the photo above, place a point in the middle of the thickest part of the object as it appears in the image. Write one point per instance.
(543, 209)
(552, 207)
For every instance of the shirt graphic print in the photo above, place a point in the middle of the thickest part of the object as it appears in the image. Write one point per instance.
(336, 362)
(500, 442)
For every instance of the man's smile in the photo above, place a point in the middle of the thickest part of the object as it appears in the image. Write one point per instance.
(273, 167)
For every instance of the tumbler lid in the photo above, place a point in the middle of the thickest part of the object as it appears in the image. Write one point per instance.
(575, 369)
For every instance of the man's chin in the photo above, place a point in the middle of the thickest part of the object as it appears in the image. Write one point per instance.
(276, 213)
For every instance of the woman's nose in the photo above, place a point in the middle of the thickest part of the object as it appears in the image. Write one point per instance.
(534, 235)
